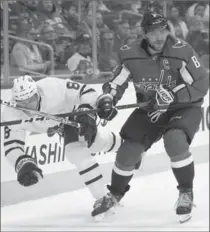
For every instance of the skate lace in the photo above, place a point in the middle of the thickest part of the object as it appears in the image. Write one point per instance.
(184, 200)
(108, 200)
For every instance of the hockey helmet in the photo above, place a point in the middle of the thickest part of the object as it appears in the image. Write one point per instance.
(152, 21)
(24, 87)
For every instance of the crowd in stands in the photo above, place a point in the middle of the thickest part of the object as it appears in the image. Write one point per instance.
(68, 30)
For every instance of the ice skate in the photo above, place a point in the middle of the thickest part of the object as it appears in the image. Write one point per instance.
(103, 205)
(184, 205)
(107, 203)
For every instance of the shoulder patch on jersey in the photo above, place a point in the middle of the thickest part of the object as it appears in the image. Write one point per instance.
(179, 44)
(125, 48)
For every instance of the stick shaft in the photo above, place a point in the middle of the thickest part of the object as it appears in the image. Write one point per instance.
(41, 116)
(60, 117)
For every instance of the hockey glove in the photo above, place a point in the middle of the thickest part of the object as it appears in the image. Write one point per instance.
(106, 107)
(163, 99)
(56, 130)
(88, 124)
(27, 170)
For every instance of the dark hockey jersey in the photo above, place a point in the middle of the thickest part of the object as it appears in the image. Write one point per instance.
(177, 68)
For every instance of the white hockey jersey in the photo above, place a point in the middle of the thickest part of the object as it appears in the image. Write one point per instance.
(57, 96)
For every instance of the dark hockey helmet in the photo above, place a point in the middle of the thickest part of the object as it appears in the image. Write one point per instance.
(152, 21)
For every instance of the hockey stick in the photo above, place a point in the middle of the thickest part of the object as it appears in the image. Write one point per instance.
(120, 107)
(45, 116)
(123, 107)
(41, 115)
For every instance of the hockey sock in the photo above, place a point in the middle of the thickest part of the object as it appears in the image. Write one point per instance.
(185, 175)
(119, 183)
(87, 167)
(93, 178)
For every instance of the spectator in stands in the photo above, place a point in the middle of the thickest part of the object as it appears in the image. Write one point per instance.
(26, 56)
(178, 30)
(137, 29)
(100, 6)
(62, 45)
(27, 10)
(107, 59)
(131, 12)
(180, 27)
(199, 9)
(194, 23)
(198, 36)
(64, 49)
(69, 10)
(51, 16)
(122, 31)
(135, 6)
(13, 22)
(156, 6)
(47, 35)
(11, 45)
(85, 28)
(81, 62)
(132, 38)
(100, 22)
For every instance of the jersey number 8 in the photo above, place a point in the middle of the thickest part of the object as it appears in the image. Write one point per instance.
(6, 132)
(195, 61)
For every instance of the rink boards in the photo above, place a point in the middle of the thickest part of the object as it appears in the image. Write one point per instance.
(50, 156)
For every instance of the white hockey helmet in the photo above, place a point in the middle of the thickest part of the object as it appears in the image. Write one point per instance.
(24, 87)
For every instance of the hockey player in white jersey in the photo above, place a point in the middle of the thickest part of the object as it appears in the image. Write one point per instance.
(56, 96)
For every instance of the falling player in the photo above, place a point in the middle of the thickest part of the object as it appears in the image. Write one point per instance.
(168, 75)
(56, 96)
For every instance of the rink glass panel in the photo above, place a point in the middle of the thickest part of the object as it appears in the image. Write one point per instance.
(99, 28)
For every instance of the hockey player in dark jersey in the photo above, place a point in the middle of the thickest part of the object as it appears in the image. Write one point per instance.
(168, 75)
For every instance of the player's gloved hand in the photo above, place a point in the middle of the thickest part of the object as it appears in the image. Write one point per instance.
(59, 129)
(88, 123)
(163, 99)
(27, 170)
(106, 107)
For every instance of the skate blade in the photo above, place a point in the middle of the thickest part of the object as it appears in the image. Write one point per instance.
(102, 216)
(184, 218)
(99, 217)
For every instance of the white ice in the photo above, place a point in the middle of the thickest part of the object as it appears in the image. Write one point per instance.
(149, 205)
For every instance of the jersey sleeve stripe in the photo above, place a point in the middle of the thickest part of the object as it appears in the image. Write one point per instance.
(122, 77)
(182, 163)
(13, 148)
(187, 77)
(14, 141)
(123, 172)
(93, 180)
(179, 87)
(114, 142)
(87, 91)
(89, 169)
(82, 89)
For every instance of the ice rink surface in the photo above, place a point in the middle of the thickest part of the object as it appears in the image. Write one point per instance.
(148, 206)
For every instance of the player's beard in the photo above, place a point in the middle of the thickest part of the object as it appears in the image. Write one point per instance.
(157, 42)
(157, 46)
